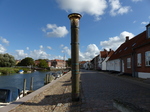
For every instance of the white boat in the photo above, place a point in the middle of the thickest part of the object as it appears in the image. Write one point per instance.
(21, 71)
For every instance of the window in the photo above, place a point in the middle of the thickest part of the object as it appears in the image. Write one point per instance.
(139, 59)
(133, 44)
(128, 62)
(148, 32)
(126, 48)
(147, 58)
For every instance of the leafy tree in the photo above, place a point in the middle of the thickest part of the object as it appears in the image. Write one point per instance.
(26, 62)
(68, 62)
(43, 63)
(7, 60)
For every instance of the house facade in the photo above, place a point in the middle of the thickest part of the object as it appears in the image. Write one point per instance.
(58, 63)
(133, 56)
(99, 62)
(95, 63)
(81, 64)
(87, 65)
(53, 63)
(104, 56)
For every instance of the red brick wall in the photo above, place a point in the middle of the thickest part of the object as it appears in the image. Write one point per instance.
(126, 69)
(143, 67)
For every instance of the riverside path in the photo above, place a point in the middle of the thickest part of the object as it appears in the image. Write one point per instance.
(100, 90)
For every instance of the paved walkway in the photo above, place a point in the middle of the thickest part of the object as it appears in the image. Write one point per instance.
(55, 98)
(99, 92)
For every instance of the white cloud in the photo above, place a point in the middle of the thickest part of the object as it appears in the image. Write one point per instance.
(20, 54)
(66, 50)
(61, 45)
(35, 54)
(91, 51)
(39, 54)
(95, 8)
(41, 47)
(27, 48)
(117, 8)
(115, 42)
(144, 23)
(52, 30)
(4, 40)
(49, 47)
(2, 49)
(58, 57)
(134, 21)
(136, 0)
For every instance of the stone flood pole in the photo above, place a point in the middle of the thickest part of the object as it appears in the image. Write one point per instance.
(74, 19)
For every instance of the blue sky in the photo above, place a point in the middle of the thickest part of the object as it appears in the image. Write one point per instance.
(41, 29)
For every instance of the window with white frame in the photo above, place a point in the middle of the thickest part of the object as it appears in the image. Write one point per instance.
(139, 59)
(147, 58)
(128, 62)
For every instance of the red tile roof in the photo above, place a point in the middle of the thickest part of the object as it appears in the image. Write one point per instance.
(106, 53)
(82, 62)
(127, 47)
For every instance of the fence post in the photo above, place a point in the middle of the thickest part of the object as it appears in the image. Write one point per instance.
(31, 84)
(24, 87)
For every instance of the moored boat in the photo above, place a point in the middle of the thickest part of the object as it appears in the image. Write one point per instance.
(9, 94)
(21, 71)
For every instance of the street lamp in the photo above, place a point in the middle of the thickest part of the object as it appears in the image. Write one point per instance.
(74, 19)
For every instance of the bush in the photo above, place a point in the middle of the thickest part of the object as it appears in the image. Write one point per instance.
(11, 70)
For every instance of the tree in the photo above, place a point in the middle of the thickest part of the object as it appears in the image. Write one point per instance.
(68, 62)
(7, 60)
(26, 62)
(43, 63)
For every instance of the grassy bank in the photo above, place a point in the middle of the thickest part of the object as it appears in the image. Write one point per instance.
(11, 70)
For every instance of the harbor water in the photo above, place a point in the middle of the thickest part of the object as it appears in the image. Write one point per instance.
(16, 80)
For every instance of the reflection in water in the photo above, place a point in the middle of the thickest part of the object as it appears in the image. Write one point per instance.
(16, 80)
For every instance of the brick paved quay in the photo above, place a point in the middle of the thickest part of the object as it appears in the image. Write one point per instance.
(101, 90)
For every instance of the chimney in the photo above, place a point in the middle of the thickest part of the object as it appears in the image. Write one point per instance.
(105, 50)
(148, 30)
(127, 38)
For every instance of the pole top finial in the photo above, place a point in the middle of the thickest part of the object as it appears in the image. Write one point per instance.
(74, 15)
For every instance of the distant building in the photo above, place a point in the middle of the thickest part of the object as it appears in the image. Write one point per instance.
(53, 63)
(104, 56)
(88, 65)
(95, 63)
(36, 62)
(82, 64)
(99, 62)
(58, 63)
(17, 61)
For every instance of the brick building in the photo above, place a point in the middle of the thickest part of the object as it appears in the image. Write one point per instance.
(58, 63)
(133, 56)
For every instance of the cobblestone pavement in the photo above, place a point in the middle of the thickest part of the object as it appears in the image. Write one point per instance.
(101, 90)
(56, 98)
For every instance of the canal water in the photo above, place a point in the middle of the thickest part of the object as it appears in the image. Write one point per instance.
(16, 80)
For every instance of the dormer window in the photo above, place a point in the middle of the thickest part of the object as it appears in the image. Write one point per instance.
(148, 30)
